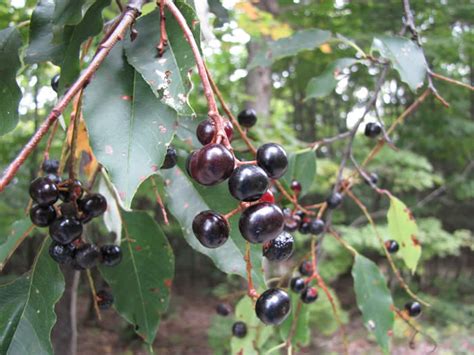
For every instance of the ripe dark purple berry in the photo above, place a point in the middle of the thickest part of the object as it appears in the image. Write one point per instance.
(316, 226)
(171, 158)
(206, 130)
(413, 309)
(305, 226)
(272, 158)
(309, 295)
(111, 254)
(373, 129)
(87, 255)
(43, 191)
(105, 299)
(93, 205)
(248, 183)
(50, 166)
(42, 216)
(306, 268)
(223, 309)
(292, 223)
(64, 230)
(239, 329)
(247, 118)
(62, 254)
(295, 186)
(211, 164)
(55, 82)
(297, 284)
(211, 229)
(261, 222)
(334, 200)
(273, 306)
(280, 248)
(392, 246)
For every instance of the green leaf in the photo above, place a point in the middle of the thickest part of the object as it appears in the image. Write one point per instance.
(186, 200)
(69, 12)
(373, 299)
(27, 305)
(10, 93)
(141, 282)
(14, 238)
(302, 168)
(323, 84)
(303, 40)
(167, 76)
(302, 332)
(406, 57)
(129, 128)
(402, 228)
(257, 332)
(112, 217)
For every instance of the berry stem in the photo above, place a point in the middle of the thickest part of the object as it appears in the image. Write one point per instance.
(452, 81)
(74, 125)
(163, 34)
(159, 201)
(251, 289)
(94, 294)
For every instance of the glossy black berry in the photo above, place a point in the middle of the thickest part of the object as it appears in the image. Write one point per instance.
(300, 214)
(272, 158)
(87, 255)
(292, 223)
(316, 226)
(334, 200)
(373, 129)
(64, 230)
(189, 159)
(273, 306)
(50, 166)
(43, 191)
(305, 226)
(247, 118)
(296, 186)
(223, 309)
(206, 130)
(62, 254)
(42, 216)
(306, 268)
(55, 82)
(72, 191)
(211, 229)
(309, 295)
(105, 299)
(261, 222)
(93, 205)
(111, 254)
(413, 309)
(171, 158)
(248, 183)
(297, 284)
(280, 248)
(55, 179)
(239, 329)
(211, 164)
(392, 246)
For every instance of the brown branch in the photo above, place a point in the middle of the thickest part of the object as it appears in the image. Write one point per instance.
(163, 34)
(94, 294)
(452, 81)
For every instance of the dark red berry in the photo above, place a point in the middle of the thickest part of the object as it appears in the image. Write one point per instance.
(247, 118)
(64, 230)
(105, 299)
(42, 216)
(392, 246)
(261, 222)
(413, 309)
(248, 183)
(171, 158)
(87, 255)
(211, 229)
(93, 205)
(211, 164)
(43, 191)
(239, 329)
(295, 186)
(272, 158)
(273, 306)
(268, 197)
(316, 226)
(111, 254)
(280, 248)
(62, 254)
(55, 82)
(334, 200)
(223, 309)
(306, 268)
(309, 295)
(297, 284)
(72, 191)
(373, 129)
(50, 166)
(206, 130)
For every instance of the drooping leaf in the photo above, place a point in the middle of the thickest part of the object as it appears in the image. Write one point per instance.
(373, 299)
(406, 57)
(18, 231)
(129, 128)
(301, 334)
(186, 200)
(10, 93)
(325, 83)
(167, 76)
(402, 228)
(69, 12)
(308, 39)
(27, 305)
(302, 168)
(141, 282)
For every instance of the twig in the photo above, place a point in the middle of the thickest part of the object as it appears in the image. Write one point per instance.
(94, 294)
(452, 81)
(75, 119)
(163, 34)
(325, 141)
(251, 289)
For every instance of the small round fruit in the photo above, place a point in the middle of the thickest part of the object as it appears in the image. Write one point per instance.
(55, 82)
(42, 216)
(111, 254)
(297, 284)
(62, 254)
(316, 226)
(247, 118)
(239, 329)
(334, 200)
(171, 158)
(392, 246)
(73, 192)
(50, 166)
(273, 306)
(87, 255)
(268, 197)
(373, 129)
(296, 186)
(211, 229)
(211, 164)
(105, 299)
(413, 309)
(261, 222)
(306, 268)
(64, 230)
(223, 309)
(206, 130)
(248, 183)
(272, 158)
(292, 223)
(280, 248)
(309, 295)
(189, 160)
(305, 227)
(93, 205)
(43, 191)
